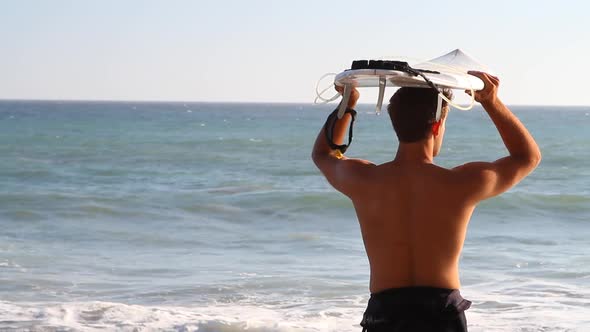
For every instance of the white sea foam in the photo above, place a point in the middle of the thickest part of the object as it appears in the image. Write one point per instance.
(495, 316)
(95, 316)
(12, 265)
(503, 310)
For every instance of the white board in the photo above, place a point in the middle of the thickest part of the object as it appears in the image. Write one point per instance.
(452, 71)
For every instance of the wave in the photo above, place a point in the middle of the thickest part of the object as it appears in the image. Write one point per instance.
(490, 312)
(94, 316)
(540, 202)
(506, 239)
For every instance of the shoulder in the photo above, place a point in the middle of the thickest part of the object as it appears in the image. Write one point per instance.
(348, 175)
(473, 171)
(481, 180)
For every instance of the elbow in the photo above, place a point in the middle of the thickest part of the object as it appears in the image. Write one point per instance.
(315, 157)
(319, 157)
(536, 158)
(533, 160)
(528, 161)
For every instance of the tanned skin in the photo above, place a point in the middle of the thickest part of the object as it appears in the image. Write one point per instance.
(414, 214)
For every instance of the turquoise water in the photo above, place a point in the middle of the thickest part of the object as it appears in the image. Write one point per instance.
(211, 217)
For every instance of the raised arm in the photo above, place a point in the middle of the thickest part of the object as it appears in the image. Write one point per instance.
(344, 174)
(484, 180)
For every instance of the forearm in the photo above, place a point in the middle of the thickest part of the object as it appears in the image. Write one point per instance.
(516, 137)
(340, 127)
(321, 146)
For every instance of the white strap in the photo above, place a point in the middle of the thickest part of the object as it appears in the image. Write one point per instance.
(344, 101)
(439, 106)
(319, 94)
(382, 83)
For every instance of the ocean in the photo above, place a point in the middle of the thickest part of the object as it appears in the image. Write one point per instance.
(135, 216)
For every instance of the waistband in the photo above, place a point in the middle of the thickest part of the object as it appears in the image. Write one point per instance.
(410, 302)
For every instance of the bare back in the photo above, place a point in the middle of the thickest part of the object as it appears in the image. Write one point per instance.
(413, 223)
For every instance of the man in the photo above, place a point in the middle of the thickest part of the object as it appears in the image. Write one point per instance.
(414, 214)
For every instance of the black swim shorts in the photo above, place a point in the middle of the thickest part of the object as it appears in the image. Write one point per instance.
(424, 309)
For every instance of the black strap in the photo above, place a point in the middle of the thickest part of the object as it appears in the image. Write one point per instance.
(394, 65)
(329, 129)
(416, 72)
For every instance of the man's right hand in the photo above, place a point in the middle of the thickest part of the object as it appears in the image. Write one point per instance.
(489, 93)
(354, 95)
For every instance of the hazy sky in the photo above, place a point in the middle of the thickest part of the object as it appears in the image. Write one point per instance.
(276, 50)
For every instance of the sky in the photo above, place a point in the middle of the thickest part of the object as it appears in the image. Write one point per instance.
(275, 51)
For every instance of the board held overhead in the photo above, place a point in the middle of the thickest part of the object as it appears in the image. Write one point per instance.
(447, 71)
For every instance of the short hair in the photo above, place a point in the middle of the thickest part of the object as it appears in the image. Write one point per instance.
(413, 111)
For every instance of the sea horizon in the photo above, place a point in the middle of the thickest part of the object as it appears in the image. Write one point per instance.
(155, 101)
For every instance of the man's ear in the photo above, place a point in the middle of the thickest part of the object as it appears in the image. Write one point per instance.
(436, 127)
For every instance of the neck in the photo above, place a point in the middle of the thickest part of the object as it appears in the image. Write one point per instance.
(417, 152)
